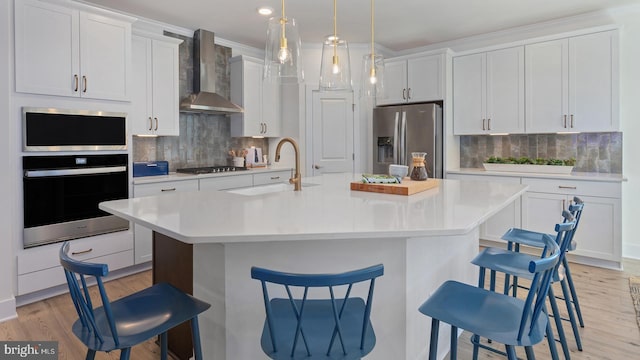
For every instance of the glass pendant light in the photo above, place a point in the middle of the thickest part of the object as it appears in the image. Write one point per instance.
(335, 65)
(282, 59)
(372, 68)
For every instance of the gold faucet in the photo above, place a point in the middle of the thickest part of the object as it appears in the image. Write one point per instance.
(296, 180)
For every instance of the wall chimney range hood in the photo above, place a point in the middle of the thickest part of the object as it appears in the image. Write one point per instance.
(205, 99)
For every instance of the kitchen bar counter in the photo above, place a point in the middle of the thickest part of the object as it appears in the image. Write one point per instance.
(210, 240)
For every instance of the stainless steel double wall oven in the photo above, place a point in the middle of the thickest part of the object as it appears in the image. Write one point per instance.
(61, 192)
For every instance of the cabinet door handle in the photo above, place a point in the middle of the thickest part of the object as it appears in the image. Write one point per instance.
(572, 121)
(156, 119)
(409, 93)
(150, 123)
(165, 190)
(275, 177)
(483, 124)
(565, 121)
(75, 78)
(84, 83)
(82, 252)
(404, 94)
(567, 187)
(265, 128)
(488, 124)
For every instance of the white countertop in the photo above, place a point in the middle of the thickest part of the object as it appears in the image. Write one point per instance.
(181, 176)
(329, 210)
(572, 176)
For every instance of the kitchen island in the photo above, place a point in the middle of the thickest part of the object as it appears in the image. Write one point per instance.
(208, 241)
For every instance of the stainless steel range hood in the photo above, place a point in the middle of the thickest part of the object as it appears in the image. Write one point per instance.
(205, 99)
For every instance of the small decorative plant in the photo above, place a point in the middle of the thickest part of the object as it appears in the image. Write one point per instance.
(525, 160)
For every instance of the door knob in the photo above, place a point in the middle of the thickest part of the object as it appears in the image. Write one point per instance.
(317, 167)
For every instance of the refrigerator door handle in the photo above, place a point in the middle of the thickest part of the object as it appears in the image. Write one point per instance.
(395, 140)
(403, 139)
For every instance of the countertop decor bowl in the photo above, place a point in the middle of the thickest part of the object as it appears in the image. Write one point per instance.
(398, 170)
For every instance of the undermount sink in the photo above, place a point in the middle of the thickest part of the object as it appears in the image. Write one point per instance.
(266, 189)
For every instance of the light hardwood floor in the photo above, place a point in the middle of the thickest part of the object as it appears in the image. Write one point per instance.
(610, 332)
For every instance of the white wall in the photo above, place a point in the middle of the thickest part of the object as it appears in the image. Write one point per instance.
(629, 20)
(8, 184)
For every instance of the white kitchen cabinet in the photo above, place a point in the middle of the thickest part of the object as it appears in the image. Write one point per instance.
(143, 237)
(572, 84)
(413, 79)
(507, 218)
(69, 52)
(260, 100)
(599, 233)
(226, 182)
(39, 268)
(272, 177)
(488, 92)
(155, 88)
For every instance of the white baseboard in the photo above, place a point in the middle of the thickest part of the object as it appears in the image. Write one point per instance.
(631, 251)
(585, 260)
(8, 309)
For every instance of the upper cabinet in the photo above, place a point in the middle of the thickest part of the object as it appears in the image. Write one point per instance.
(260, 100)
(488, 92)
(572, 84)
(414, 79)
(155, 87)
(68, 52)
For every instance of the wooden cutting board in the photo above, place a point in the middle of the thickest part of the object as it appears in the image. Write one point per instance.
(407, 187)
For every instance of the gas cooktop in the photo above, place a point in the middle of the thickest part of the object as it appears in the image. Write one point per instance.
(210, 169)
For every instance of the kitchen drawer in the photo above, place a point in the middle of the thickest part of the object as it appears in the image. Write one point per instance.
(271, 177)
(574, 187)
(90, 248)
(164, 187)
(226, 182)
(43, 279)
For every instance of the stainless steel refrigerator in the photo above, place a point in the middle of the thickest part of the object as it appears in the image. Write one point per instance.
(400, 130)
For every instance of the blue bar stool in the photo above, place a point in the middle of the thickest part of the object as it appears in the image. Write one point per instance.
(129, 321)
(502, 318)
(515, 264)
(336, 327)
(516, 237)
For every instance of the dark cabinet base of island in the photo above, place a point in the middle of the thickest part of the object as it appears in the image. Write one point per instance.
(176, 268)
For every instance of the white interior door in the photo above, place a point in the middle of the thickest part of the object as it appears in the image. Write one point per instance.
(332, 132)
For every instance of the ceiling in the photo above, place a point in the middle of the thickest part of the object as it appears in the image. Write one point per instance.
(399, 25)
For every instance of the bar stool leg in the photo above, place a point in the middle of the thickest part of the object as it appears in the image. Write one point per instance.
(574, 295)
(558, 321)
(433, 342)
(572, 317)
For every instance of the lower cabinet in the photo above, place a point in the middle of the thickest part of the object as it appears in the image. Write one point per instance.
(509, 217)
(143, 237)
(39, 268)
(272, 177)
(599, 234)
(226, 182)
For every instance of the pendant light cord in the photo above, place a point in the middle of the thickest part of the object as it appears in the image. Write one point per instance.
(372, 44)
(335, 27)
(283, 21)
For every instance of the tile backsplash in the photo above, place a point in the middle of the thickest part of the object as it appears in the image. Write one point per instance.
(594, 152)
(204, 139)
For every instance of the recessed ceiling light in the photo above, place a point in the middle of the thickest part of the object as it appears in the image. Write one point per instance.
(265, 10)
